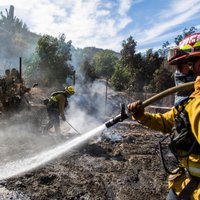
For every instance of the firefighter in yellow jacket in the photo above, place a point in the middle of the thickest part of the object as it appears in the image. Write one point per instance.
(182, 122)
(56, 105)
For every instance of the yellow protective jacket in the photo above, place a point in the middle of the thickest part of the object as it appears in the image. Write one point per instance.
(165, 122)
(61, 100)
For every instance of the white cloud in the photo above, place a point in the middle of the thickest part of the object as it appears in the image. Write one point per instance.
(179, 7)
(124, 6)
(91, 22)
(179, 12)
(101, 23)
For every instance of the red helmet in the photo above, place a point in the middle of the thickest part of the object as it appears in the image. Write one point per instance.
(188, 48)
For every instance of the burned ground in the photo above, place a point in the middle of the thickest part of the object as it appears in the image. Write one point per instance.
(100, 169)
(122, 163)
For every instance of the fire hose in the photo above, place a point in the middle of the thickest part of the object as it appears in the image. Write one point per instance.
(123, 115)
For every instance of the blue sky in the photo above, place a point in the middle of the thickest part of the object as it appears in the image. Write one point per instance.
(106, 23)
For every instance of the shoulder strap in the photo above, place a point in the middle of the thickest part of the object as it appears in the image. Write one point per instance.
(179, 106)
(57, 92)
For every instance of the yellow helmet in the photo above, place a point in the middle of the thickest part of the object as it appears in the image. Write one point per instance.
(70, 90)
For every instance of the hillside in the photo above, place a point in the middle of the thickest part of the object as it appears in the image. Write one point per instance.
(16, 40)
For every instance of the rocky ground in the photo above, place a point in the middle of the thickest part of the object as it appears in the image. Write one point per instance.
(121, 164)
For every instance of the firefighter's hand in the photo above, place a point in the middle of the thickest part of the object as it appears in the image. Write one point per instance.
(136, 109)
(63, 118)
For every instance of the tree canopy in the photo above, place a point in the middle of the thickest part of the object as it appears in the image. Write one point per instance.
(54, 59)
(185, 33)
(51, 60)
(104, 62)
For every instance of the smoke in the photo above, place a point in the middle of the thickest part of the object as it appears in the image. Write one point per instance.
(21, 132)
(92, 105)
(86, 107)
(24, 147)
(10, 54)
(20, 136)
(15, 41)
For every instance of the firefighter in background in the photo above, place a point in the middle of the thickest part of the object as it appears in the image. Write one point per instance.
(13, 92)
(8, 78)
(16, 76)
(7, 88)
(182, 122)
(9, 82)
(56, 105)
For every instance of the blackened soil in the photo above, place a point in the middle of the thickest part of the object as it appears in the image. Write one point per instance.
(128, 169)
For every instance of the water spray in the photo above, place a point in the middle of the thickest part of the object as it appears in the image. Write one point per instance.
(18, 167)
(123, 115)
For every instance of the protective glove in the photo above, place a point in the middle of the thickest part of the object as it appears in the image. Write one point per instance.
(136, 109)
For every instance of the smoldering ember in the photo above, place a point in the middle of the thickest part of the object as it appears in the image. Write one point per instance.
(120, 162)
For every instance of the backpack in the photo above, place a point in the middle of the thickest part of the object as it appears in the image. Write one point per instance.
(182, 137)
(48, 100)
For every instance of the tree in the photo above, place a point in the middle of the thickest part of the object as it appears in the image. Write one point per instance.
(162, 79)
(128, 52)
(163, 52)
(12, 24)
(120, 77)
(52, 56)
(153, 62)
(131, 62)
(16, 40)
(88, 72)
(185, 33)
(104, 62)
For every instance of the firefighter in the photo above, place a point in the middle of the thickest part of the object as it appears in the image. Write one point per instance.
(56, 105)
(182, 122)
(8, 80)
(7, 75)
(7, 90)
(16, 75)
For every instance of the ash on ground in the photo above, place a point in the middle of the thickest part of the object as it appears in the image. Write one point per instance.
(106, 169)
(123, 163)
